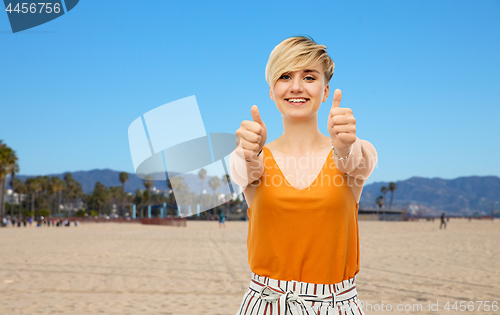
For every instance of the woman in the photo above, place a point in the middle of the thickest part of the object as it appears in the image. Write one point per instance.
(303, 191)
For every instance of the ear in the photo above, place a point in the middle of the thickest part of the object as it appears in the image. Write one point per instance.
(327, 91)
(271, 94)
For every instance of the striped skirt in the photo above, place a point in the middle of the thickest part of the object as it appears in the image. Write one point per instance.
(270, 296)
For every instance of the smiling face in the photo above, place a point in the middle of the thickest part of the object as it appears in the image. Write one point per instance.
(299, 94)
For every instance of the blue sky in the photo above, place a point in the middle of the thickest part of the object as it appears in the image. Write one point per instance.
(422, 78)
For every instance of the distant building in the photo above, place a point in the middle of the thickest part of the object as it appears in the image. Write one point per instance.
(14, 198)
(376, 214)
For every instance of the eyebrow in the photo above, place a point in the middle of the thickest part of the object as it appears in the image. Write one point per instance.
(310, 70)
(305, 71)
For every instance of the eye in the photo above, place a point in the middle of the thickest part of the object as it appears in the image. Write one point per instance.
(285, 76)
(309, 77)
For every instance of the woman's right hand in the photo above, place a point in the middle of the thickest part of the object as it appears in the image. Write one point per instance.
(252, 134)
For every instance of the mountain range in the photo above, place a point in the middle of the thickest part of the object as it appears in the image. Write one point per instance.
(417, 195)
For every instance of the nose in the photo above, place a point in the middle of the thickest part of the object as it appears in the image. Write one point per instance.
(296, 85)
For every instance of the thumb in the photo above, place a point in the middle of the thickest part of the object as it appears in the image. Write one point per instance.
(256, 114)
(337, 96)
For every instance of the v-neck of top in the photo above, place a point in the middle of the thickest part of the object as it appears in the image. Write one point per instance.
(308, 235)
(315, 179)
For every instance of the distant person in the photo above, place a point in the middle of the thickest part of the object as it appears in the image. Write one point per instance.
(443, 221)
(222, 220)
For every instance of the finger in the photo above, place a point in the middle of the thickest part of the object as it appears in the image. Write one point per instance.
(340, 119)
(250, 136)
(343, 129)
(333, 125)
(249, 145)
(251, 126)
(256, 114)
(337, 96)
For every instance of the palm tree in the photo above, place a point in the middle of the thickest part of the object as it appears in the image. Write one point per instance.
(214, 183)
(50, 184)
(171, 197)
(148, 183)
(145, 196)
(19, 188)
(72, 191)
(226, 179)
(100, 196)
(3, 172)
(138, 199)
(8, 164)
(123, 179)
(13, 170)
(181, 190)
(392, 188)
(67, 197)
(57, 186)
(13, 183)
(46, 192)
(379, 201)
(202, 174)
(115, 196)
(33, 187)
(384, 191)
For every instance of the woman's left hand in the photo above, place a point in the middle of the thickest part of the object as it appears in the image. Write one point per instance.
(341, 125)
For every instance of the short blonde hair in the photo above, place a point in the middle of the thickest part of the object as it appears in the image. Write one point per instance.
(296, 53)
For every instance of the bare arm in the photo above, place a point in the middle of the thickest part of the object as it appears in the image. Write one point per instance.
(244, 173)
(361, 162)
(342, 129)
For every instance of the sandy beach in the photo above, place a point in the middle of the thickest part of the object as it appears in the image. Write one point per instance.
(202, 269)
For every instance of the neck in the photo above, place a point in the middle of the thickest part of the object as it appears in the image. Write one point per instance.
(300, 136)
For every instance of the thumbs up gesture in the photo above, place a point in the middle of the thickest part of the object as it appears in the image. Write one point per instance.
(341, 125)
(252, 134)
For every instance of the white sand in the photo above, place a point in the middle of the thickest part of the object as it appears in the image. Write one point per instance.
(201, 269)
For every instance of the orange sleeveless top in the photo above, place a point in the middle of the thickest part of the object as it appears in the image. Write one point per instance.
(308, 235)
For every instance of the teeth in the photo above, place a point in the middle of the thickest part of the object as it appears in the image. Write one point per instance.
(297, 100)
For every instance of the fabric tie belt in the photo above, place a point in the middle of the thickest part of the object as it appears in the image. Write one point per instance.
(272, 293)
